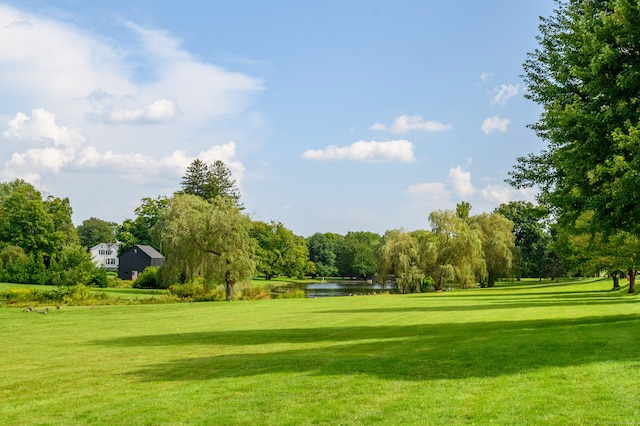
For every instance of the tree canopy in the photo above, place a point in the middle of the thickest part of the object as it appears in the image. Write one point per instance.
(94, 231)
(585, 75)
(207, 240)
(210, 181)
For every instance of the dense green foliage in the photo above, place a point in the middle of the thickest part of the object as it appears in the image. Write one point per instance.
(322, 252)
(205, 239)
(94, 231)
(279, 251)
(138, 230)
(585, 75)
(38, 242)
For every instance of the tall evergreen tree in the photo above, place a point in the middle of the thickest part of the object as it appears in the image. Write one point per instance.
(210, 181)
(195, 179)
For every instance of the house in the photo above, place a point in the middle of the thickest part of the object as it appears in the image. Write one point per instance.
(105, 255)
(134, 260)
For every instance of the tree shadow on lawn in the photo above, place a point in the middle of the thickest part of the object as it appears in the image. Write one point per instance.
(455, 304)
(416, 352)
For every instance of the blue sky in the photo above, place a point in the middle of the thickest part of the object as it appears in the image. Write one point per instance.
(334, 116)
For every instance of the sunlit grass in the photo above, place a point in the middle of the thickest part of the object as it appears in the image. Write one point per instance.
(534, 353)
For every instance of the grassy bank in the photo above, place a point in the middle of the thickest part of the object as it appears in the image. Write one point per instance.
(539, 353)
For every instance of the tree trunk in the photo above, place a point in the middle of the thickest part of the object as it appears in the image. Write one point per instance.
(632, 281)
(616, 281)
(229, 290)
(229, 286)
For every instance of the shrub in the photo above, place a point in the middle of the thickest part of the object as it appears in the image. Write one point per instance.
(253, 293)
(22, 296)
(70, 294)
(197, 292)
(147, 278)
(292, 293)
(71, 266)
(99, 278)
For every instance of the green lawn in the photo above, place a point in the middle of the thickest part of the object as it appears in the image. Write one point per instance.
(539, 353)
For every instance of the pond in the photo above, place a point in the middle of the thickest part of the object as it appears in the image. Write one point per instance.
(342, 288)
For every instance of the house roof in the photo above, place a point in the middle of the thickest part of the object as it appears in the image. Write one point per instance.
(108, 245)
(150, 251)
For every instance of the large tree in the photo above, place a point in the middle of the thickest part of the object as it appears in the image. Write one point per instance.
(356, 254)
(208, 181)
(498, 244)
(25, 222)
(585, 75)
(458, 251)
(322, 252)
(531, 236)
(138, 230)
(94, 231)
(279, 251)
(207, 240)
(400, 256)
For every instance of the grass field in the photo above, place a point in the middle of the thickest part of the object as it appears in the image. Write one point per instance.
(544, 353)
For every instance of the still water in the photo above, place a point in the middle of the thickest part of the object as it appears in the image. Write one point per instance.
(342, 288)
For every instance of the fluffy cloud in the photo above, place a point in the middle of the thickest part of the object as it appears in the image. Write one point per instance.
(503, 93)
(461, 182)
(41, 129)
(370, 152)
(50, 148)
(459, 187)
(87, 93)
(160, 110)
(407, 123)
(495, 124)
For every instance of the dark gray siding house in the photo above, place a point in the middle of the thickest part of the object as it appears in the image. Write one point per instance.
(134, 260)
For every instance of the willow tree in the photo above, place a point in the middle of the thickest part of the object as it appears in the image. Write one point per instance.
(458, 251)
(498, 244)
(585, 75)
(400, 255)
(206, 239)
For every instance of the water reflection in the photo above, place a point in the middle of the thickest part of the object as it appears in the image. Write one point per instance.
(342, 288)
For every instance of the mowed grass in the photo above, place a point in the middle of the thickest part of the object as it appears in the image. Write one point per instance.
(522, 354)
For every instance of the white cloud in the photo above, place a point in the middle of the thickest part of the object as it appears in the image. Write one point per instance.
(503, 93)
(485, 76)
(407, 123)
(159, 110)
(51, 148)
(41, 128)
(461, 182)
(378, 126)
(494, 124)
(47, 145)
(86, 94)
(459, 187)
(370, 152)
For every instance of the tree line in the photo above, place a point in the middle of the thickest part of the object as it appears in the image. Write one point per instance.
(207, 237)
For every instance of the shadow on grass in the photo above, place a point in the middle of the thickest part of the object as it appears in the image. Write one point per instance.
(515, 301)
(416, 352)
